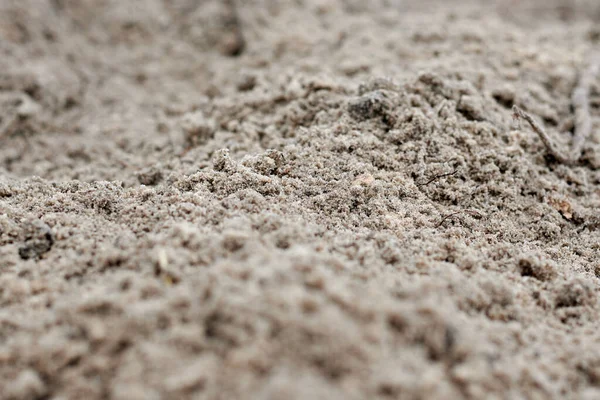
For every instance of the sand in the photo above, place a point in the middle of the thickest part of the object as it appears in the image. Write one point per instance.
(276, 199)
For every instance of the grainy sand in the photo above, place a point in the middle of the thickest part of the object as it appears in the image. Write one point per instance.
(317, 199)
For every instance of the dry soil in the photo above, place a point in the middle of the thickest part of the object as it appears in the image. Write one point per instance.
(309, 199)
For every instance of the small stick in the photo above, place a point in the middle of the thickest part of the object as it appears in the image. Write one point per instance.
(473, 213)
(437, 177)
(518, 113)
(583, 121)
(581, 105)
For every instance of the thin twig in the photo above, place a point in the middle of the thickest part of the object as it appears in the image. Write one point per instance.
(446, 217)
(518, 113)
(583, 121)
(435, 178)
(581, 105)
(473, 213)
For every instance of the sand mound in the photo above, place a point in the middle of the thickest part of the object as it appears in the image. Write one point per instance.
(270, 199)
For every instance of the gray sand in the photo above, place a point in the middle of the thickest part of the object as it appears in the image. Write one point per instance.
(318, 199)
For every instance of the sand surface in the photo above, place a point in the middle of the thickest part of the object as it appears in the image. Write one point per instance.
(311, 199)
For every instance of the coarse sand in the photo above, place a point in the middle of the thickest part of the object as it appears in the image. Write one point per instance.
(297, 199)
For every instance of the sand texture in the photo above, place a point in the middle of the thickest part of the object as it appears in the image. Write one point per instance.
(310, 199)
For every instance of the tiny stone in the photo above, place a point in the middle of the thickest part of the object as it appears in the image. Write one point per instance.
(38, 239)
(371, 105)
(149, 176)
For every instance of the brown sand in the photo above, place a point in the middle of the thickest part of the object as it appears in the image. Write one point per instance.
(317, 199)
